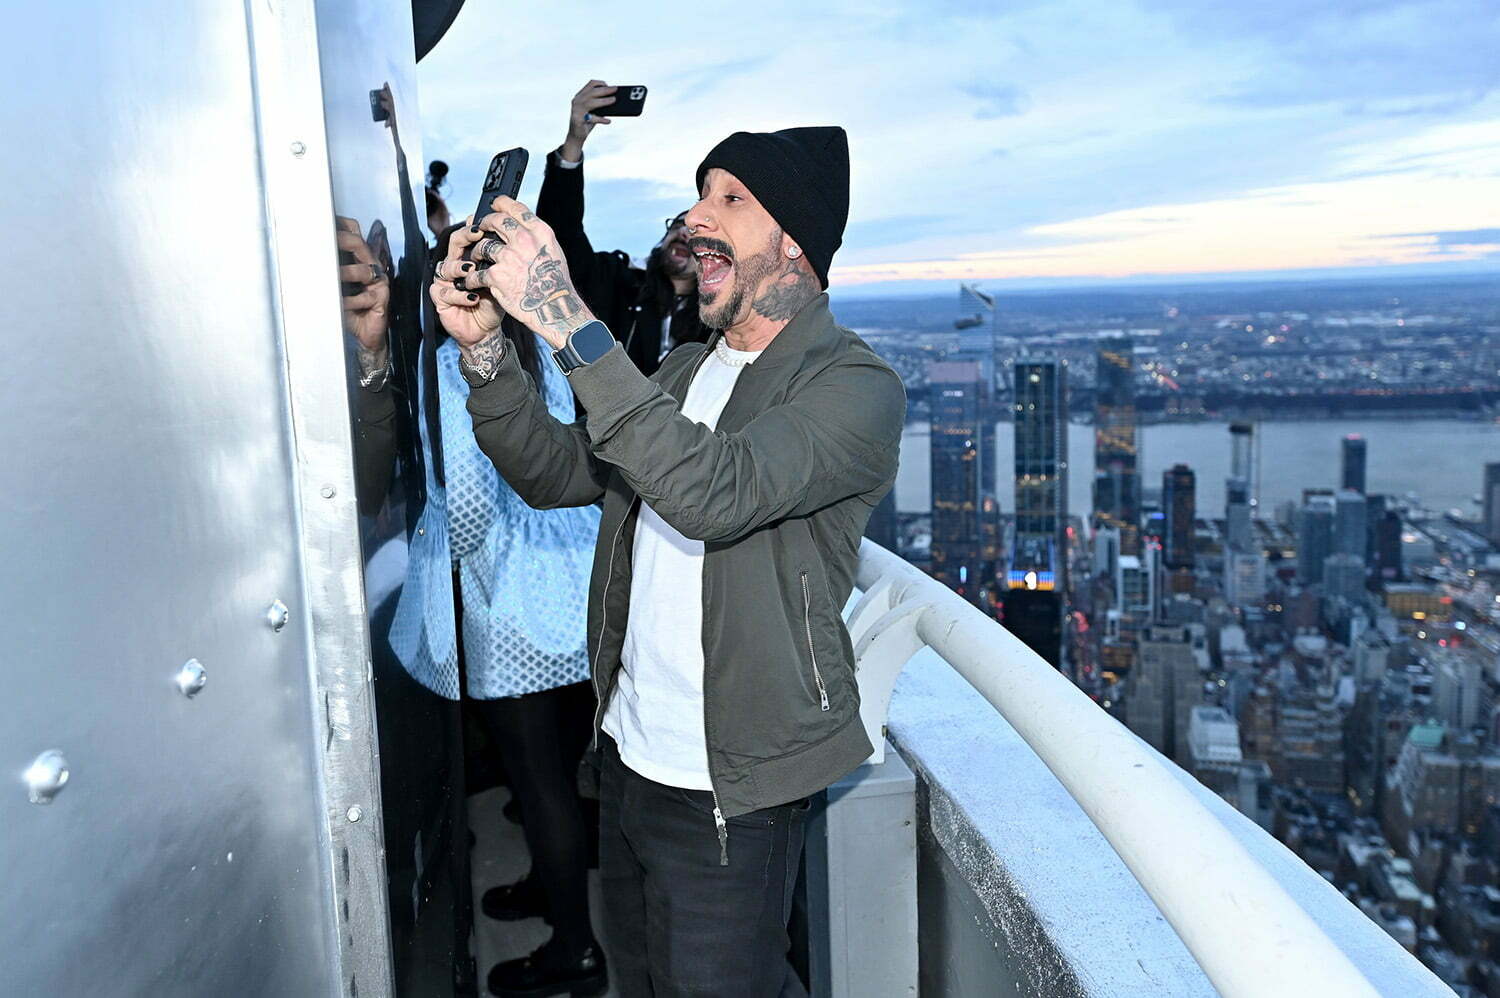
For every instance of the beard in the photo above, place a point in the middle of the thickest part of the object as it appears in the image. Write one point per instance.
(718, 309)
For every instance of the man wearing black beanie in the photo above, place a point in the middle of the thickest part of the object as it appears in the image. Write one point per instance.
(736, 484)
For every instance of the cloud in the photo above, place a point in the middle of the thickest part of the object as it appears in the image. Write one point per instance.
(997, 100)
(977, 130)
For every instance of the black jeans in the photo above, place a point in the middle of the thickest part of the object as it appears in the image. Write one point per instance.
(542, 737)
(677, 923)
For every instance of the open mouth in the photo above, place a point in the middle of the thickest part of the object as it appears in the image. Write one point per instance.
(713, 267)
(679, 254)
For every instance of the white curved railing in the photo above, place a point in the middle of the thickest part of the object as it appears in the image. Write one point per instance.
(1246, 933)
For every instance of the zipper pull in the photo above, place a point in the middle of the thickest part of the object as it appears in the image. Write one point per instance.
(823, 697)
(723, 829)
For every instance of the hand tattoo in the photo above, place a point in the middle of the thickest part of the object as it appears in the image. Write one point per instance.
(374, 366)
(486, 247)
(549, 294)
(509, 224)
(483, 358)
(794, 288)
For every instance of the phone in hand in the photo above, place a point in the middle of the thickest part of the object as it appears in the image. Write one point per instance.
(629, 102)
(503, 177)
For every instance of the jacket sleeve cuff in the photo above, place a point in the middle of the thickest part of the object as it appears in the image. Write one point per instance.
(610, 388)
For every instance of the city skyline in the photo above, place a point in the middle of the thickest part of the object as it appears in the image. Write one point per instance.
(1050, 143)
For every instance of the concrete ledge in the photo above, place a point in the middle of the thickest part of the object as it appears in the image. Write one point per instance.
(1054, 910)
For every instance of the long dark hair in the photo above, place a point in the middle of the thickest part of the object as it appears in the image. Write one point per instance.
(522, 340)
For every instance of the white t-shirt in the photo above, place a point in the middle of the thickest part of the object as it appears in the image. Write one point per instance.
(656, 713)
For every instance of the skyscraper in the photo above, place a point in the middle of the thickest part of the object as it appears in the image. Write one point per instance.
(1351, 525)
(1385, 539)
(1117, 499)
(960, 474)
(1037, 569)
(1179, 501)
(1354, 462)
(1314, 538)
(1491, 500)
(976, 330)
(1239, 490)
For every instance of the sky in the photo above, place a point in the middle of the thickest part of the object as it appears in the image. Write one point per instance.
(1027, 142)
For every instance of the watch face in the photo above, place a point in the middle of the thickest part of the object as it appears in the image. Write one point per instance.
(592, 341)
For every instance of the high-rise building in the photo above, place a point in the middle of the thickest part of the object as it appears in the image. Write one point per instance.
(1385, 539)
(1244, 579)
(1179, 501)
(1036, 573)
(1491, 498)
(1457, 688)
(1117, 488)
(1239, 489)
(1314, 538)
(1166, 684)
(976, 329)
(1344, 577)
(1354, 462)
(960, 473)
(1351, 525)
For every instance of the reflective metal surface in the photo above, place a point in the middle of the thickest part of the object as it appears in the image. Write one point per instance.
(150, 506)
(376, 164)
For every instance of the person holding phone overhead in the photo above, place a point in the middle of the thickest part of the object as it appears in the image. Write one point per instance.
(735, 483)
(650, 309)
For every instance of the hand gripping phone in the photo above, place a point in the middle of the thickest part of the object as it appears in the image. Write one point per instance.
(503, 177)
(629, 102)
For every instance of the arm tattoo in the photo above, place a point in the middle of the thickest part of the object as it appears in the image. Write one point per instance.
(484, 357)
(372, 361)
(794, 288)
(374, 366)
(549, 294)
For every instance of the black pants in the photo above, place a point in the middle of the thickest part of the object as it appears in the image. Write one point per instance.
(678, 923)
(542, 737)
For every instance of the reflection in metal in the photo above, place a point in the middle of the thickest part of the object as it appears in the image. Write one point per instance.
(298, 149)
(191, 678)
(46, 776)
(328, 492)
(355, 813)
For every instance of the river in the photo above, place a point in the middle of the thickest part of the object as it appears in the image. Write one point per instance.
(1442, 461)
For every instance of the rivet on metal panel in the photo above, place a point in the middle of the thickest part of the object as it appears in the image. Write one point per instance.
(277, 614)
(298, 149)
(355, 813)
(191, 678)
(327, 492)
(46, 776)
(421, 531)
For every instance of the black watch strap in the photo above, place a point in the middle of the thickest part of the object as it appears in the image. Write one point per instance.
(585, 345)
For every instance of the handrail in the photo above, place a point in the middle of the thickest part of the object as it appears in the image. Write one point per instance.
(1247, 934)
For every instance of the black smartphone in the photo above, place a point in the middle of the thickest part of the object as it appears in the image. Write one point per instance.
(503, 177)
(377, 109)
(629, 102)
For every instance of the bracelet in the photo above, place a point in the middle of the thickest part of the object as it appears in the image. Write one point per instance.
(487, 357)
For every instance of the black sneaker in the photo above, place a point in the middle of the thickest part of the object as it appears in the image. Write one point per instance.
(544, 973)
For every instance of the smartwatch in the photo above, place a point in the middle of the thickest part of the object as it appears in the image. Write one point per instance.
(585, 345)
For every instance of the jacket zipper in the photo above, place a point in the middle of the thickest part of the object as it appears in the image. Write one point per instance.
(807, 621)
(609, 576)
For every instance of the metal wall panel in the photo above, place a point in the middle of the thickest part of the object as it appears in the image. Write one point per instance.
(151, 516)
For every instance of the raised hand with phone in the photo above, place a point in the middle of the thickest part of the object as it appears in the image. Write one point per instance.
(595, 104)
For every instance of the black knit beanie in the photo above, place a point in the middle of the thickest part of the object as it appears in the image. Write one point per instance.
(801, 175)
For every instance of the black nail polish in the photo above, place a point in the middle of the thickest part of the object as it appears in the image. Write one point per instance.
(466, 267)
(474, 229)
(473, 298)
(458, 282)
